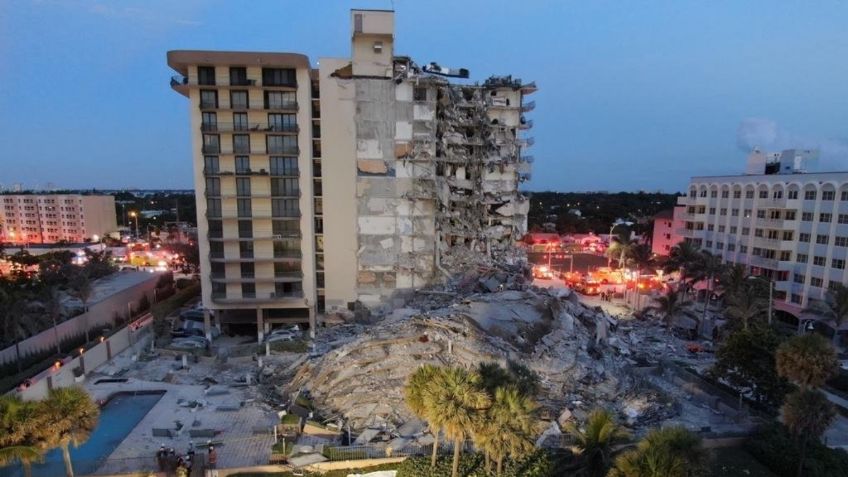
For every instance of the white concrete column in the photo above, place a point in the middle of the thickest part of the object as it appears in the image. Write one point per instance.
(260, 325)
(312, 322)
(207, 324)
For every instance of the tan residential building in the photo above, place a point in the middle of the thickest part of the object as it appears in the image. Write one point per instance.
(351, 184)
(51, 218)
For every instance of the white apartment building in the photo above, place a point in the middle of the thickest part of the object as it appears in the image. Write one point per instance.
(788, 226)
(50, 218)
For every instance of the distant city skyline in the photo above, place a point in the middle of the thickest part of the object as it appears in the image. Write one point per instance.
(631, 97)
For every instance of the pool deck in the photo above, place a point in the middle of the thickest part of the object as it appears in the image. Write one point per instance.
(239, 445)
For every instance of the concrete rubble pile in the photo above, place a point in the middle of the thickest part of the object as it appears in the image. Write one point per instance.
(357, 372)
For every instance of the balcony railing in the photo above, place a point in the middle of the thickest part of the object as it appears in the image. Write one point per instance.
(528, 106)
(284, 106)
(525, 124)
(292, 274)
(284, 150)
(285, 173)
(179, 80)
(763, 262)
(242, 82)
(248, 127)
(211, 149)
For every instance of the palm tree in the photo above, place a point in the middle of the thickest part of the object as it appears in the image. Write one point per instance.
(640, 257)
(70, 416)
(807, 413)
(807, 360)
(743, 305)
(596, 441)
(460, 398)
(708, 268)
(620, 247)
(415, 393)
(666, 452)
(833, 307)
(682, 258)
(734, 278)
(20, 435)
(671, 305)
(506, 428)
(82, 290)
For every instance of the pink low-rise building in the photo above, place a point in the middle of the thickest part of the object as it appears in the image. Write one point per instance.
(667, 230)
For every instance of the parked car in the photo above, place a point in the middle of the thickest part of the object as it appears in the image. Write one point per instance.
(190, 342)
(271, 338)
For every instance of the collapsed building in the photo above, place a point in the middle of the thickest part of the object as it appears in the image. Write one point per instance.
(349, 184)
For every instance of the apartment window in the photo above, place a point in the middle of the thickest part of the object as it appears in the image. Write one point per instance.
(743, 249)
(213, 207)
(761, 214)
(756, 251)
(758, 232)
(844, 195)
(286, 248)
(248, 290)
(840, 241)
(242, 186)
(818, 261)
(737, 194)
(785, 256)
(749, 194)
(288, 289)
(280, 100)
(803, 237)
(792, 194)
(285, 208)
(768, 253)
(286, 228)
(216, 228)
(823, 217)
(822, 239)
(240, 122)
(239, 100)
(722, 211)
(709, 244)
(248, 270)
(816, 282)
(420, 94)
(810, 195)
(216, 249)
(731, 247)
(795, 298)
(712, 210)
(283, 166)
(734, 212)
(763, 194)
(713, 194)
(788, 235)
(710, 227)
(209, 121)
(211, 143)
(720, 245)
(789, 215)
(238, 76)
(746, 231)
(725, 194)
(206, 75)
(242, 164)
(733, 229)
(208, 99)
(278, 77)
(282, 144)
(721, 228)
(774, 214)
(692, 193)
(842, 218)
(801, 257)
(833, 285)
(747, 213)
(807, 216)
(799, 278)
(283, 269)
(246, 249)
(284, 187)
(282, 122)
(241, 143)
(828, 195)
(778, 194)
(837, 263)
(244, 207)
(701, 209)
(210, 164)
(773, 234)
(213, 186)
(218, 270)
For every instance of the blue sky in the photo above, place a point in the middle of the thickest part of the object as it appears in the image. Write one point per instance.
(633, 95)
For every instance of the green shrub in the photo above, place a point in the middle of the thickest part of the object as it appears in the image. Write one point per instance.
(172, 304)
(296, 346)
(775, 448)
(541, 463)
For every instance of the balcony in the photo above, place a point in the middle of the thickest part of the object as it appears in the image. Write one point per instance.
(179, 83)
(525, 123)
(526, 107)
(763, 262)
(257, 298)
(527, 159)
(256, 238)
(772, 203)
(284, 107)
(526, 142)
(287, 256)
(248, 127)
(211, 149)
(285, 172)
(769, 223)
(772, 243)
(290, 150)
(529, 88)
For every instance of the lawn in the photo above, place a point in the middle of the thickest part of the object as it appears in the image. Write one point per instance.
(735, 461)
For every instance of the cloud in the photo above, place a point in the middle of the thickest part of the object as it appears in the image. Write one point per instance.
(769, 136)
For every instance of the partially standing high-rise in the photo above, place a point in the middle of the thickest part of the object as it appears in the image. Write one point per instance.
(355, 182)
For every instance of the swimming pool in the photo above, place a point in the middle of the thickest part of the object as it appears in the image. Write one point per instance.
(118, 417)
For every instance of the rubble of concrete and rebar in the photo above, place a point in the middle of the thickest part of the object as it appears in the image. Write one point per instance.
(584, 357)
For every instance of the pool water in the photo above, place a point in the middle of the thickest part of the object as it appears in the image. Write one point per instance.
(118, 417)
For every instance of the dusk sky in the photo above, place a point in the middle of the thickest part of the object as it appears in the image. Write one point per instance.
(632, 95)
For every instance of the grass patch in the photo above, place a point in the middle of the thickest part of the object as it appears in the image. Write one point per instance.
(283, 447)
(290, 420)
(296, 346)
(735, 461)
(331, 473)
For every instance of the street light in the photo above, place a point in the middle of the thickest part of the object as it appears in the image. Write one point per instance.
(614, 225)
(134, 215)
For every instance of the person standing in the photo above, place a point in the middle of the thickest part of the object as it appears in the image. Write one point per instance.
(212, 461)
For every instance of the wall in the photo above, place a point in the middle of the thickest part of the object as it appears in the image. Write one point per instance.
(138, 334)
(99, 314)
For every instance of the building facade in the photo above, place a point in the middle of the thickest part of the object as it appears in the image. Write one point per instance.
(51, 218)
(791, 228)
(668, 226)
(351, 183)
